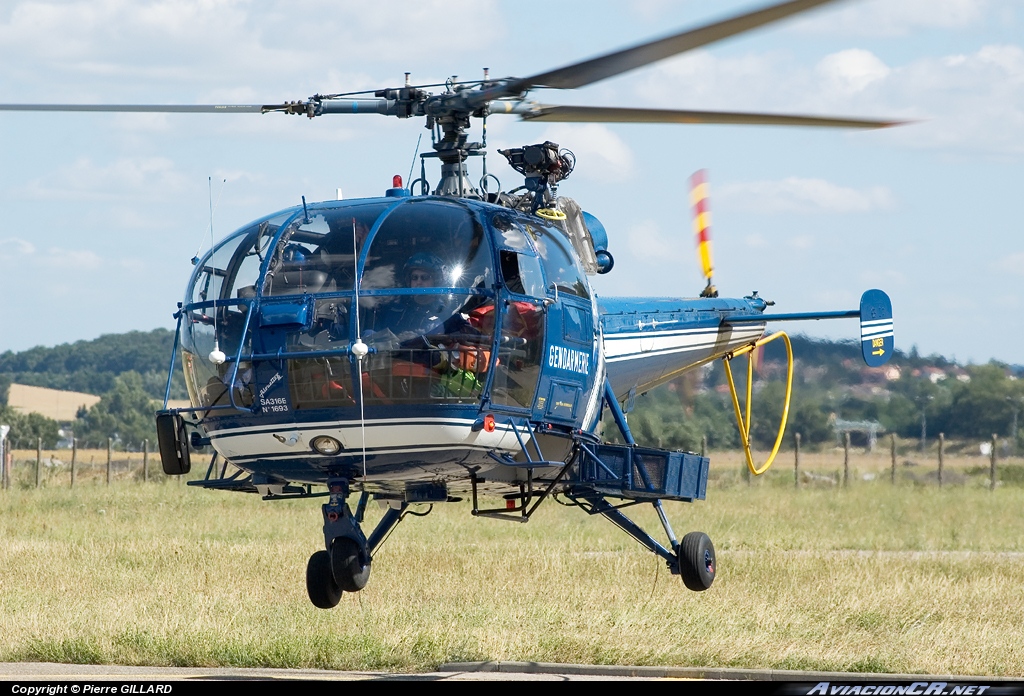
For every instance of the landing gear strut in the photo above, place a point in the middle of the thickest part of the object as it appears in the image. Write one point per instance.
(345, 564)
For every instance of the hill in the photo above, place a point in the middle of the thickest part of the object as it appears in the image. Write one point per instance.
(92, 366)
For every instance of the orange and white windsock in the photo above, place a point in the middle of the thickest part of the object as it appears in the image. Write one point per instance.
(702, 220)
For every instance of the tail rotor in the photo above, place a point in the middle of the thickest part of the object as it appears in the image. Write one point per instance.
(702, 228)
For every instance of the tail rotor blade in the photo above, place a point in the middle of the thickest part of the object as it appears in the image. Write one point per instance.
(702, 228)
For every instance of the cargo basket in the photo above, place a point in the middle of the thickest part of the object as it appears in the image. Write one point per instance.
(643, 472)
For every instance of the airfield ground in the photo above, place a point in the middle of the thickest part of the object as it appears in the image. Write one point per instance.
(872, 577)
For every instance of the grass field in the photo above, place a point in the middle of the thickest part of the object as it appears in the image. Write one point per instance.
(871, 577)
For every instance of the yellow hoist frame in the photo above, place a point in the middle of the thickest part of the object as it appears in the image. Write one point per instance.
(743, 424)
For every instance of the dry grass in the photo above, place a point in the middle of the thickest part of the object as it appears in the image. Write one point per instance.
(875, 577)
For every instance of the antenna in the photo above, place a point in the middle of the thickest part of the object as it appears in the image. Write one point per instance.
(358, 348)
(415, 152)
(216, 356)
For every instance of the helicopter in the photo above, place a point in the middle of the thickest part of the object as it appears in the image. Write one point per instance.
(444, 340)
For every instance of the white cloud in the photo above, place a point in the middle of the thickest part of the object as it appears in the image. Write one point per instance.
(851, 71)
(801, 242)
(12, 248)
(1013, 263)
(600, 153)
(135, 178)
(964, 102)
(199, 46)
(889, 18)
(799, 195)
(72, 259)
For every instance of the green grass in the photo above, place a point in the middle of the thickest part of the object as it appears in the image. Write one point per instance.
(871, 578)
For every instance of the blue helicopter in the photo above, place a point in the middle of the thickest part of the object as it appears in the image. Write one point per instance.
(445, 341)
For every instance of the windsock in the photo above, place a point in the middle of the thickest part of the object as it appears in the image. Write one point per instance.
(702, 227)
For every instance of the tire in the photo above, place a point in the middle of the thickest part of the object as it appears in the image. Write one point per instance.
(349, 571)
(323, 591)
(697, 562)
(174, 458)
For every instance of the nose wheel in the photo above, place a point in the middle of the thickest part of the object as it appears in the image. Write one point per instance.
(321, 586)
(349, 570)
(697, 561)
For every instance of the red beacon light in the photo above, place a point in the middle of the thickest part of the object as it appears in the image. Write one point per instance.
(396, 190)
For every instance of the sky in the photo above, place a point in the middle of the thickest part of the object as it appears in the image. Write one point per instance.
(100, 214)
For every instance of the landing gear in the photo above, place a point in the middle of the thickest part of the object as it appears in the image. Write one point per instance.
(697, 561)
(323, 590)
(345, 564)
(350, 572)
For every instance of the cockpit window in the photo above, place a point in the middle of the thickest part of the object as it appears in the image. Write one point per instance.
(559, 261)
(316, 255)
(443, 238)
(231, 271)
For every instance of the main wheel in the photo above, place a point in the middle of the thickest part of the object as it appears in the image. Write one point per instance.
(697, 561)
(321, 587)
(349, 571)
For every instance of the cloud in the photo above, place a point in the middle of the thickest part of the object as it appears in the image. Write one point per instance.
(190, 45)
(600, 153)
(887, 18)
(852, 70)
(799, 195)
(72, 259)
(127, 178)
(970, 101)
(25, 253)
(12, 248)
(801, 242)
(1013, 263)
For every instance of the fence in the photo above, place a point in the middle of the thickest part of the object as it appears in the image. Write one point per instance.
(933, 467)
(840, 468)
(78, 465)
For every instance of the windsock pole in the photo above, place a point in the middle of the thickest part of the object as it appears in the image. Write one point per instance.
(702, 228)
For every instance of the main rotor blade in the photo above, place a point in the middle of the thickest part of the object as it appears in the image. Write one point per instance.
(149, 108)
(603, 114)
(611, 64)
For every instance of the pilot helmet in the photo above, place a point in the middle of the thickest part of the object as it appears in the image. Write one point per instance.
(294, 255)
(424, 260)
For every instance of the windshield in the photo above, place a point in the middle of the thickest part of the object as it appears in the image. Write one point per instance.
(424, 303)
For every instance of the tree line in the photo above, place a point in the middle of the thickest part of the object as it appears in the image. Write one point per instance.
(128, 372)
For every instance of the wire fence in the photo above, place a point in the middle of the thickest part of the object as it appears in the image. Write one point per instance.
(896, 462)
(78, 465)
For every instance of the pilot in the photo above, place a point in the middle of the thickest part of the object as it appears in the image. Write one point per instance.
(418, 313)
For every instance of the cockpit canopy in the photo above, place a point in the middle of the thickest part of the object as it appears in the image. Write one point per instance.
(429, 271)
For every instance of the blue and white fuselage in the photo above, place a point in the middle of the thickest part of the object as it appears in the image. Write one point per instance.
(468, 310)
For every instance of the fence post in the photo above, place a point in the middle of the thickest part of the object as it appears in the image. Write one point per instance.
(145, 461)
(39, 462)
(892, 453)
(110, 445)
(796, 463)
(846, 458)
(703, 445)
(3, 456)
(74, 460)
(992, 465)
(942, 443)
